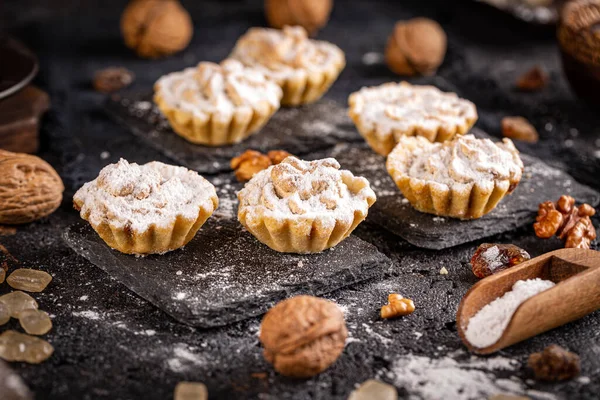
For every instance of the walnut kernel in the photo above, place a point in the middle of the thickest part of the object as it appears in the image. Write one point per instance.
(554, 364)
(302, 336)
(416, 46)
(534, 79)
(112, 79)
(397, 306)
(247, 164)
(567, 221)
(518, 128)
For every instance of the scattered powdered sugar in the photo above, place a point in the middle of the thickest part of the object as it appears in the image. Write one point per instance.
(184, 358)
(487, 326)
(372, 58)
(462, 160)
(89, 314)
(305, 189)
(450, 378)
(404, 107)
(138, 196)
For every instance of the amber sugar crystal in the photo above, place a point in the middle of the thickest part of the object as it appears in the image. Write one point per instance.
(2, 274)
(15, 346)
(35, 322)
(17, 302)
(4, 314)
(29, 280)
(491, 258)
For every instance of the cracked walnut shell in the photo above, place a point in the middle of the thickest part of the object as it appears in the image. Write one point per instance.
(303, 335)
(156, 28)
(30, 188)
(312, 15)
(416, 47)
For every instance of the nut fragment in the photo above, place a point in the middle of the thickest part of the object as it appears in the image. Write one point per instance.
(518, 128)
(303, 335)
(416, 46)
(15, 346)
(29, 280)
(554, 364)
(491, 258)
(17, 302)
(251, 162)
(567, 221)
(31, 188)
(35, 322)
(112, 79)
(190, 391)
(534, 79)
(397, 306)
(312, 15)
(156, 28)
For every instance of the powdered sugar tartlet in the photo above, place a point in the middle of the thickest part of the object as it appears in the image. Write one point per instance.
(146, 209)
(384, 113)
(304, 68)
(217, 104)
(304, 206)
(462, 178)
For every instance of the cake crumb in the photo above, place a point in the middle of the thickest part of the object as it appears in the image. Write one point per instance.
(443, 271)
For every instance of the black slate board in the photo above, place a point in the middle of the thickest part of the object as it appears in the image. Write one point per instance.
(225, 275)
(540, 182)
(300, 131)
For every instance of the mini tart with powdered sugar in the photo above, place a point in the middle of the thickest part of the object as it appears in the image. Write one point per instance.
(304, 206)
(383, 114)
(217, 104)
(304, 68)
(146, 209)
(461, 178)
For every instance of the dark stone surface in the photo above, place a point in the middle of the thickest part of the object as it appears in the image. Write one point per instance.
(300, 131)
(225, 275)
(540, 182)
(112, 344)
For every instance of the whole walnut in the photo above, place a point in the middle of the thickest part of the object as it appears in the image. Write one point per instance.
(303, 335)
(416, 46)
(156, 28)
(29, 188)
(312, 15)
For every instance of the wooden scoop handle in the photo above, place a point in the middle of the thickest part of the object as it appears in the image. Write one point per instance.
(577, 293)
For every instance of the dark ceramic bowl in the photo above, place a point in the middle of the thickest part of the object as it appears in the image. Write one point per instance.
(17, 68)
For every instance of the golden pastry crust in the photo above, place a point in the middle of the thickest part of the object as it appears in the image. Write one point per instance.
(217, 104)
(146, 209)
(463, 178)
(304, 206)
(382, 114)
(304, 68)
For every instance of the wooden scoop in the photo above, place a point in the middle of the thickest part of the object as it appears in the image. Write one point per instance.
(576, 273)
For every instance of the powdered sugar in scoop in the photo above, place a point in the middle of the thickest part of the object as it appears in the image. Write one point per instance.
(138, 196)
(487, 326)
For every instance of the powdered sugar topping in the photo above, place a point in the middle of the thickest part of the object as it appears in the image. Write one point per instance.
(285, 53)
(306, 189)
(128, 194)
(219, 88)
(465, 159)
(404, 107)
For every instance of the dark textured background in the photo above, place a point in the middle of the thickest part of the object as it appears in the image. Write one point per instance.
(110, 344)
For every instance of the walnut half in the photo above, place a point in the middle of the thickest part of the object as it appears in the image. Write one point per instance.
(302, 336)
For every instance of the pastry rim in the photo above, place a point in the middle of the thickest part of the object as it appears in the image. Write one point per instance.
(305, 234)
(462, 201)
